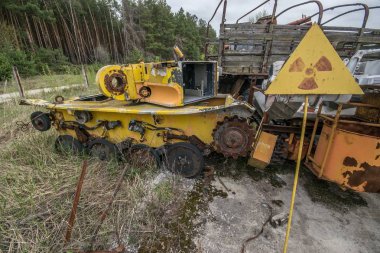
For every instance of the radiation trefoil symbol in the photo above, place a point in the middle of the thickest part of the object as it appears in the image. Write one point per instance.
(309, 82)
(314, 68)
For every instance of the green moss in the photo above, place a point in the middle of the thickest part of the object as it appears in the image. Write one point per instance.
(181, 229)
(237, 169)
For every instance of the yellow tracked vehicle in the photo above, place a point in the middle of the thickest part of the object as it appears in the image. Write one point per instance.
(170, 111)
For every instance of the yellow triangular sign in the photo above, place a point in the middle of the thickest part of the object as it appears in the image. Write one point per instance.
(314, 68)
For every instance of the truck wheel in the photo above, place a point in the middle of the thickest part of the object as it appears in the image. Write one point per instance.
(40, 121)
(67, 144)
(184, 158)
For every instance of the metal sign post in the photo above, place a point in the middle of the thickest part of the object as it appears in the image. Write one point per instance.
(314, 68)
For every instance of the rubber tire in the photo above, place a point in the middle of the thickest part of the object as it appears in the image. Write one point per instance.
(75, 145)
(40, 121)
(197, 159)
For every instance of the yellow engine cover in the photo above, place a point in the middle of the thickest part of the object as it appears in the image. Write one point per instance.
(155, 83)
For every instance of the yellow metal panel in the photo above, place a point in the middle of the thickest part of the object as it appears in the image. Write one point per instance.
(156, 76)
(314, 68)
(170, 95)
(198, 119)
(201, 125)
(218, 103)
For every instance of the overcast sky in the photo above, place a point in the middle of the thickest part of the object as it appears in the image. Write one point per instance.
(236, 8)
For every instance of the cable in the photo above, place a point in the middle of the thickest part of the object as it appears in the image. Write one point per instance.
(262, 228)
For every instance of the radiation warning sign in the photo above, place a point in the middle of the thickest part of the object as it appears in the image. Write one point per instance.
(314, 68)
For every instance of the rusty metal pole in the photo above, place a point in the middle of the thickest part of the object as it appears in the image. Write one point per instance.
(85, 78)
(16, 76)
(208, 28)
(221, 41)
(75, 203)
(299, 157)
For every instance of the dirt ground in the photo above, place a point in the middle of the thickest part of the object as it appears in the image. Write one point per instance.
(326, 218)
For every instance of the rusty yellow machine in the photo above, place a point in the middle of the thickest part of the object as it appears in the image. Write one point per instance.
(168, 110)
(171, 113)
(170, 84)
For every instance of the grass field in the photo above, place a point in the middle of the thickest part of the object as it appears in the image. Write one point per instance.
(38, 185)
(46, 81)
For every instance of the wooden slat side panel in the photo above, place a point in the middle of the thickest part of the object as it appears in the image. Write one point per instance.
(244, 44)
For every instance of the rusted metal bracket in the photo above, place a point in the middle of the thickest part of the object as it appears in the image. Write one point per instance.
(365, 7)
(208, 25)
(258, 6)
(366, 13)
(268, 48)
(221, 42)
(319, 4)
(252, 89)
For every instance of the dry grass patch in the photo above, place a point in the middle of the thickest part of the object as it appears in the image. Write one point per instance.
(37, 191)
(38, 186)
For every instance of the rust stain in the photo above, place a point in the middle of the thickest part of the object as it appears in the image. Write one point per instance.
(308, 84)
(370, 175)
(297, 66)
(309, 71)
(323, 64)
(116, 82)
(350, 162)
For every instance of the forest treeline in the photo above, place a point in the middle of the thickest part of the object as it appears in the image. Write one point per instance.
(40, 36)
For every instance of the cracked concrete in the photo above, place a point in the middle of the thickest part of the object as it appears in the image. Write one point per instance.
(317, 226)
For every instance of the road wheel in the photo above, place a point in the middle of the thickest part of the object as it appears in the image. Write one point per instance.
(143, 156)
(40, 121)
(67, 144)
(103, 150)
(184, 158)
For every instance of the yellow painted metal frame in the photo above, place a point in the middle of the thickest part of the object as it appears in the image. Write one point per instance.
(197, 119)
(160, 78)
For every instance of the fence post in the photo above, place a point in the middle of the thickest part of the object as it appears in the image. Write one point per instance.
(5, 85)
(85, 78)
(16, 76)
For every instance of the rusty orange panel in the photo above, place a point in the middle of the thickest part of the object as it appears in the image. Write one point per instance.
(293, 147)
(353, 162)
(262, 154)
